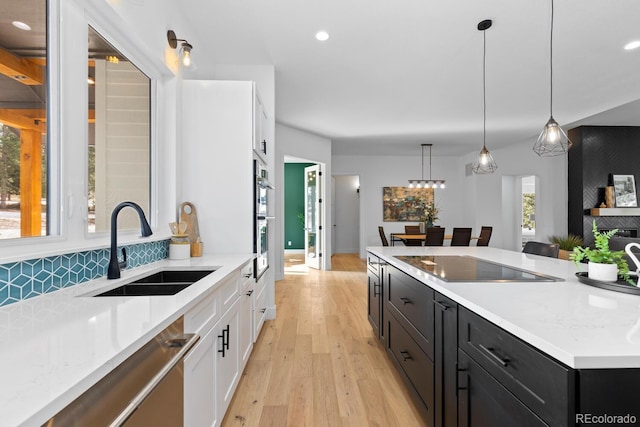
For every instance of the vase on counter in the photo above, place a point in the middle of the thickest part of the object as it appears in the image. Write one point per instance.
(423, 227)
(429, 224)
(603, 272)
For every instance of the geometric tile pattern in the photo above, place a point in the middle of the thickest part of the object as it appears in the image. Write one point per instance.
(27, 279)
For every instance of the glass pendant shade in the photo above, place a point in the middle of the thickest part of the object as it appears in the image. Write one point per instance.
(553, 141)
(485, 163)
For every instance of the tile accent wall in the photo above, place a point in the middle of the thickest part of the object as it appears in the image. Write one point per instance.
(30, 278)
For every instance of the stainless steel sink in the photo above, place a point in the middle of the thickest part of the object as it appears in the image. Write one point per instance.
(166, 282)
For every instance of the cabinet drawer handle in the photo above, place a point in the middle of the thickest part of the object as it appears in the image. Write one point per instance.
(262, 310)
(249, 293)
(246, 276)
(491, 352)
(222, 349)
(227, 342)
(444, 307)
(405, 355)
(405, 301)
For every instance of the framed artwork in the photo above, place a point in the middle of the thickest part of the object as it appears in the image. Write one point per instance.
(624, 188)
(404, 204)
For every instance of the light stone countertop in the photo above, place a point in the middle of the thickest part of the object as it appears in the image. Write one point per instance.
(57, 345)
(581, 326)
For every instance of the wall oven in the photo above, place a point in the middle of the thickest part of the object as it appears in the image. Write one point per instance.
(261, 227)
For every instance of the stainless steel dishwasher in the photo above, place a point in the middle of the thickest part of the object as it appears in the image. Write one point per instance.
(147, 389)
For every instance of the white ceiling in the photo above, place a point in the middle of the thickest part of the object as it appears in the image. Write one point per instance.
(394, 74)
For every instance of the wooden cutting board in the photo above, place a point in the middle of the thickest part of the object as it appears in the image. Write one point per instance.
(189, 215)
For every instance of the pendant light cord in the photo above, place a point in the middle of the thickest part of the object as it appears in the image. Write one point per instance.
(551, 64)
(422, 174)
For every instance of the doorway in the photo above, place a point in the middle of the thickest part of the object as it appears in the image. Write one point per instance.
(305, 212)
(345, 206)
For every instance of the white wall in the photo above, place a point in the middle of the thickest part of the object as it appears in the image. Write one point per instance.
(485, 193)
(304, 146)
(467, 201)
(377, 172)
(346, 223)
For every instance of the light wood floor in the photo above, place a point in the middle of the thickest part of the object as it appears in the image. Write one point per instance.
(318, 363)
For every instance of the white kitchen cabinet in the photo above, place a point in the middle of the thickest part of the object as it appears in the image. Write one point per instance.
(260, 143)
(259, 307)
(227, 357)
(217, 157)
(199, 383)
(212, 370)
(245, 316)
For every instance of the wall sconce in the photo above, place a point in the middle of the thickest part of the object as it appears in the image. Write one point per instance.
(185, 47)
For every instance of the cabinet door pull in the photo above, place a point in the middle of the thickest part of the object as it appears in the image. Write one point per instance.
(246, 276)
(442, 306)
(491, 352)
(405, 355)
(458, 372)
(223, 343)
(405, 301)
(249, 293)
(227, 342)
(376, 290)
(262, 310)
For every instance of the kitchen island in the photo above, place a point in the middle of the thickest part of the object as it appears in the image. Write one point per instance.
(57, 345)
(540, 351)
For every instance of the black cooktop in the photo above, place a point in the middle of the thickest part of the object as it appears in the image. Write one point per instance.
(451, 268)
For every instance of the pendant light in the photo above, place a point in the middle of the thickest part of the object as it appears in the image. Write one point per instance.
(485, 163)
(426, 183)
(553, 141)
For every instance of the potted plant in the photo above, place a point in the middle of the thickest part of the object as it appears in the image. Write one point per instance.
(566, 243)
(431, 214)
(604, 265)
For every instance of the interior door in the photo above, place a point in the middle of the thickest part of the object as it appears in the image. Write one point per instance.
(312, 217)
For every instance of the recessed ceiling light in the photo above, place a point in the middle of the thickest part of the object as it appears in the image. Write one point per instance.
(632, 45)
(322, 36)
(21, 25)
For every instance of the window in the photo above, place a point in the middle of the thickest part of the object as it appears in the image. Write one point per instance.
(24, 207)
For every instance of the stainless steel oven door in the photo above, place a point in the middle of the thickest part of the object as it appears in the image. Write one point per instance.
(262, 249)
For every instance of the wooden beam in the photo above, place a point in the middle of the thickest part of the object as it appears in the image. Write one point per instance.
(20, 69)
(30, 183)
(39, 114)
(13, 119)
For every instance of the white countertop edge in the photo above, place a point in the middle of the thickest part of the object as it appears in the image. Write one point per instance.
(606, 358)
(38, 404)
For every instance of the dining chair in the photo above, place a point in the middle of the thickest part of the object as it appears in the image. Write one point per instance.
(461, 236)
(538, 248)
(485, 235)
(385, 242)
(435, 236)
(412, 229)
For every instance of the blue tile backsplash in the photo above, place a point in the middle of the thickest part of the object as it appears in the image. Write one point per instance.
(27, 279)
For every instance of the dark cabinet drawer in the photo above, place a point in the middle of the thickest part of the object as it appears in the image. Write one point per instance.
(413, 300)
(482, 401)
(414, 364)
(374, 302)
(540, 382)
(373, 264)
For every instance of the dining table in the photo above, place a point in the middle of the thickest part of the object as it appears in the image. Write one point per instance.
(401, 237)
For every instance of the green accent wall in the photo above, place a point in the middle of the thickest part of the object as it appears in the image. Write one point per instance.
(294, 204)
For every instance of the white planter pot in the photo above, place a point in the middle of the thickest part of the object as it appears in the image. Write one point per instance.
(603, 272)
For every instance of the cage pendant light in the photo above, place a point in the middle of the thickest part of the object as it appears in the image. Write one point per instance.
(426, 183)
(485, 163)
(553, 141)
